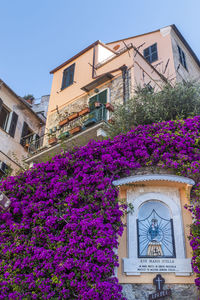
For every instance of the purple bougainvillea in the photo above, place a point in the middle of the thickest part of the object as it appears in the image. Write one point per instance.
(57, 241)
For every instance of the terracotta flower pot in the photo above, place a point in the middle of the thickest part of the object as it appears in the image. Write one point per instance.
(52, 140)
(26, 146)
(63, 122)
(75, 130)
(73, 116)
(110, 121)
(97, 104)
(84, 111)
(109, 107)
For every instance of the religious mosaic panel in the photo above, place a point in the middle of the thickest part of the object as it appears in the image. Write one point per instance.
(155, 231)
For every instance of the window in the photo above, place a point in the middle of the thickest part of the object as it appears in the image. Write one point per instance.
(155, 231)
(68, 76)
(182, 57)
(3, 168)
(13, 124)
(151, 53)
(27, 136)
(4, 116)
(97, 106)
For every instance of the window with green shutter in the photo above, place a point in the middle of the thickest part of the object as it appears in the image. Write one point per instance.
(68, 76)
(151, 53)
(182, 57)
(98, 113)
(101, 98)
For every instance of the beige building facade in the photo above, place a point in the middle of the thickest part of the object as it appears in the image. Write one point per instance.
(87, 86)
(19, 124)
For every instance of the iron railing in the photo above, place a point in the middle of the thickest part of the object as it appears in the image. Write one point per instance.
(33, 143)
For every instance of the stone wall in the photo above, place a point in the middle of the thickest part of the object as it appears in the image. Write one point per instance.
(115, 96)
(76, 106)
(142, 291)
(116, 88)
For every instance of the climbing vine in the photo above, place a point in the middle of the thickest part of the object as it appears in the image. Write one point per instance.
(57, 240)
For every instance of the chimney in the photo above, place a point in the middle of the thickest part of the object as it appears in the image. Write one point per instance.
(30, 101)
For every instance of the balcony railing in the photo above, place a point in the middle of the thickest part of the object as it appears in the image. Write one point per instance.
(67, 130)
(32, 142)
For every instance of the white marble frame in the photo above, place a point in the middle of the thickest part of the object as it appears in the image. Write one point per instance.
(176, 215)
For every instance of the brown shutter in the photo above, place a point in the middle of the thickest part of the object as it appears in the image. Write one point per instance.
(13, 124)
(24, 133)
(1, 104)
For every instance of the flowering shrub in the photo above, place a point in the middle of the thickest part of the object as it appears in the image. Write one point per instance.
(58, 239)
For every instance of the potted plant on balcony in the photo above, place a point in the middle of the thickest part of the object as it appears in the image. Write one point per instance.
(64, 122)
(73, 116)
(111, 121)
(75, 130)
(52, 137)
(97, 104)
(76, 125)
(63, 135)
(84, 111)
(109, 107)
(52, 140)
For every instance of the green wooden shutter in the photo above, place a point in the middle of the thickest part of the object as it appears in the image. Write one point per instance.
(64, 79)
(24, 133)
(13, 124)
(71, 74)
(102, 97)
(68, 76)
(92, 102)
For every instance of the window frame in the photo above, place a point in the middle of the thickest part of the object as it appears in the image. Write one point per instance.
(26, 136)
(182, 57)
(151, 53)
(5, 128)
(107, 101)
(64, 78)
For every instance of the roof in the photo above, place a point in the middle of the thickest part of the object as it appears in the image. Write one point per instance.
(173, 26)
(153, 177)
(131, 37)
(21, 100)
(79, 54)
(185, 43)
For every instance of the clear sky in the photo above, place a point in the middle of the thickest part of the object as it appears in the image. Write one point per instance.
(38, 35)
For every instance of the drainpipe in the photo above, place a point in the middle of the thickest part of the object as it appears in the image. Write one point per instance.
(93, 65)
(125, 79)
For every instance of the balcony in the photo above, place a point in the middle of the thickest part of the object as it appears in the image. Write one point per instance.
(75, 130)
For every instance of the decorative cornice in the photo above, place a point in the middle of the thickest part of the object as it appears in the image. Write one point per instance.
(153, 177)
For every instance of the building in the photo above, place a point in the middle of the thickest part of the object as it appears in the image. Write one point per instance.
(19, 126)
(85, 90)
(41, 106)
(87, 86)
